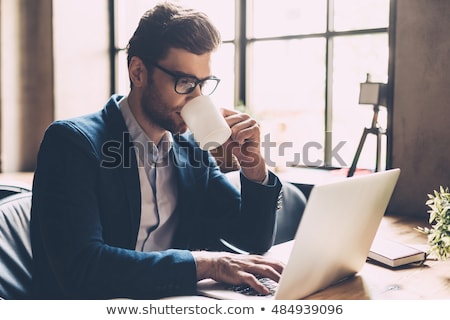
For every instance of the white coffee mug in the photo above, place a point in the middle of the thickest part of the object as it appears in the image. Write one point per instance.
(205, 122)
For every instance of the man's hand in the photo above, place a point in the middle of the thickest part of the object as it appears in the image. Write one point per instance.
(237, 269)
(245, 143)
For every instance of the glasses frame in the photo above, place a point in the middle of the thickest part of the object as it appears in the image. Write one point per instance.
(197, 81)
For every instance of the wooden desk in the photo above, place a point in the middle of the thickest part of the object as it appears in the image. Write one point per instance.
(429, 281)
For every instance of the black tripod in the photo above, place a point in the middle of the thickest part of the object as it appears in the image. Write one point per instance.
(376, 130)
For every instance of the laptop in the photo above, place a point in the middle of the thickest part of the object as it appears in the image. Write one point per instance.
(333, 238)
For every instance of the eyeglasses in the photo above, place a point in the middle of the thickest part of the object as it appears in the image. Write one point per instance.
(185, 84)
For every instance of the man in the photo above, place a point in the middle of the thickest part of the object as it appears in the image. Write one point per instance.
(126, 205)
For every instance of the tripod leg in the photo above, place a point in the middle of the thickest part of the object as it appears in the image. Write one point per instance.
(378, 163)
(352, 169)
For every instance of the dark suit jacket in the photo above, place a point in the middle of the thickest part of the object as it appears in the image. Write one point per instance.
(87, 205)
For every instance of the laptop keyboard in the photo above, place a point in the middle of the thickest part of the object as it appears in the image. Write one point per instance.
(249, 291)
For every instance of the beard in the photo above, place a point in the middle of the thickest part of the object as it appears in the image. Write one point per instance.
(161, 113)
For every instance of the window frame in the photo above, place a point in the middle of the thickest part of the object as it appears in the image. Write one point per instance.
(242, 42)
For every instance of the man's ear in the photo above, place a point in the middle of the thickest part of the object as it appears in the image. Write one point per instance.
(137, 72)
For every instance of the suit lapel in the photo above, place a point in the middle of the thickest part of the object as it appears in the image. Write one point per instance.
(186, 192)
(128, 168)
(181, 161)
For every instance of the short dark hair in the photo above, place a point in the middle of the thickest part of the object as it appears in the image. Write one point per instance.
(168, 25)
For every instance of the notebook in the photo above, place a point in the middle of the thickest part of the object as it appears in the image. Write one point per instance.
(395, 254)
(333, 238)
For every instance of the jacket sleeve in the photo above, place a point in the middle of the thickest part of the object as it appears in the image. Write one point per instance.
(252, 225)
(218, 211)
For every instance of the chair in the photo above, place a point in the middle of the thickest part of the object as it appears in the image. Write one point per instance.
(7, 189)
(15, 245)
(289, 215)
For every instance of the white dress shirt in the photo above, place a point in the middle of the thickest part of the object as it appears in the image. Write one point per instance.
(158, 185)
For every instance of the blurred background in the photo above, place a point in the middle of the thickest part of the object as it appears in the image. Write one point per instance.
(294, 65)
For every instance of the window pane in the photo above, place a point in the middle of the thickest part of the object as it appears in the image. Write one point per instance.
(128, 14)
(223, 68)
(287, 90)
(354, 57)
(360, 14)
(123, 81)
(222, 13)
(287, 17)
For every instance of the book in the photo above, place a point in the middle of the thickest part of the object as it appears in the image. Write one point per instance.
(395, 254)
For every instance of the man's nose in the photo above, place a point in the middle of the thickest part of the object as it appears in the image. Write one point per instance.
(195, 93)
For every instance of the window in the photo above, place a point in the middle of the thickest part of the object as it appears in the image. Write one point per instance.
(306, 60)
(296, 67)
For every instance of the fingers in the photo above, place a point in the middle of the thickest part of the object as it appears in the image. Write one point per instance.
(264, 269)
(245, 130)
(264, 266)
(243, 127)
(228, 112)
(244, 269)
(250, 280)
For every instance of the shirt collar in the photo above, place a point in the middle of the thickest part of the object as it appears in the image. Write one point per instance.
(145, 148)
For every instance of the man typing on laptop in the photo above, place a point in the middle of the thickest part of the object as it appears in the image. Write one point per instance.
(125, 203)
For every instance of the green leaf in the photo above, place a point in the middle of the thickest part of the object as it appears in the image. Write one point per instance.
(439, 210)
